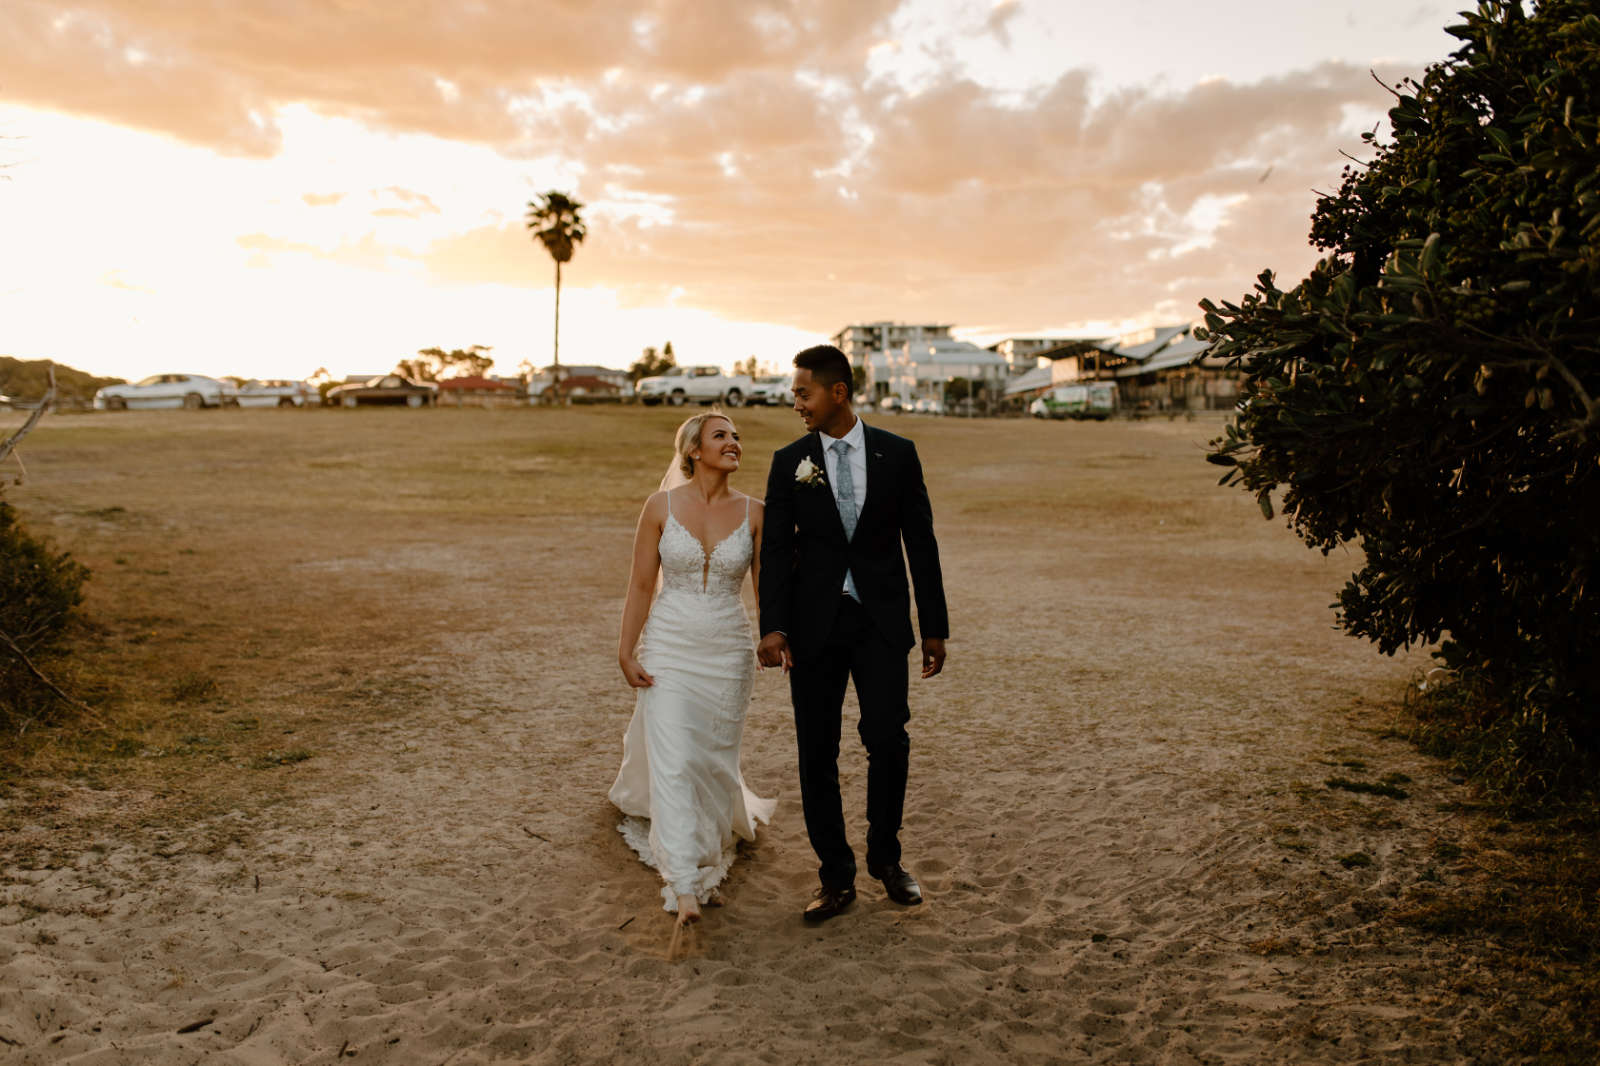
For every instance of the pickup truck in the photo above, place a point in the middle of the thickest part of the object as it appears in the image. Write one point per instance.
(702, 384)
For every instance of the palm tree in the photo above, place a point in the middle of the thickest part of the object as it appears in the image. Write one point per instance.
(555, 223)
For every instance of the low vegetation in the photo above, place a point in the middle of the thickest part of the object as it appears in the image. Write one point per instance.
(40, 590)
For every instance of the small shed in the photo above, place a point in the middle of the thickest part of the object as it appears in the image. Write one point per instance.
(590, 387)
(476, 392)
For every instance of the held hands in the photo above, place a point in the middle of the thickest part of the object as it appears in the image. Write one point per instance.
(774, 651)
(634, 673)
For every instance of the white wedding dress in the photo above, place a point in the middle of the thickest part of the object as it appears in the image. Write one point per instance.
(680, 788)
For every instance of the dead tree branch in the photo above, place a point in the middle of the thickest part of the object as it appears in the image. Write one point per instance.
(22, 656)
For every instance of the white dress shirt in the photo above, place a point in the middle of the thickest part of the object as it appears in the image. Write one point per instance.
(857, 439)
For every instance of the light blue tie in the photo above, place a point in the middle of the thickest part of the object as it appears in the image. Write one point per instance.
(846, 496)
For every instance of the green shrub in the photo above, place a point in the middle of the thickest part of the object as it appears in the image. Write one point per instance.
(39, 591)
(1430, 391)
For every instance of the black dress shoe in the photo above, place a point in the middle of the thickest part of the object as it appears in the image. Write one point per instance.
(899, 883)
(829, 902)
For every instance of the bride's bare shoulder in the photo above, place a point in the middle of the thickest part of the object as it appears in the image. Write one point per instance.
(655, 507)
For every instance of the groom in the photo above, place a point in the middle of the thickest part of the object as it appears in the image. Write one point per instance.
(835, 607)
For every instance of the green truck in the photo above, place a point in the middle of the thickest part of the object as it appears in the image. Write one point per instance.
(1094, 399)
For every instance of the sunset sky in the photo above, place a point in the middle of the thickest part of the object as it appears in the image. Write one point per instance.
(265, 187)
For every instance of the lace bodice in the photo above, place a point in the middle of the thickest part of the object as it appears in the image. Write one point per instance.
(685, 566)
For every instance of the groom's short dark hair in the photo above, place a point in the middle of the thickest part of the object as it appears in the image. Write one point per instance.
(828, 365)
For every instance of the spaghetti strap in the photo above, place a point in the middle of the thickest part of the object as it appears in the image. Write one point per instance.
(669, 503)
(747, 508)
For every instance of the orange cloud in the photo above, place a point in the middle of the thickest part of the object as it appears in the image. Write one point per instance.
(788, 186)
(213, 73)
(953, 205)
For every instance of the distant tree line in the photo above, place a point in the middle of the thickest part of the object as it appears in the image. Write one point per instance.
(28, 379)
(436, 364)
(652, 363)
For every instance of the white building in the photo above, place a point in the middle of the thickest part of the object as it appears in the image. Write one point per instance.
(860, 342)
(921, 370)
(1024, 353)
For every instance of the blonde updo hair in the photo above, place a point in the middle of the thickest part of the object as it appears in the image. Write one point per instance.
(689, 437)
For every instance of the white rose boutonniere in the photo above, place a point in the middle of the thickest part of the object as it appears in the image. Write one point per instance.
(808, 473)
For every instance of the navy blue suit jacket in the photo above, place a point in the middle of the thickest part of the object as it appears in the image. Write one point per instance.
(804, 551)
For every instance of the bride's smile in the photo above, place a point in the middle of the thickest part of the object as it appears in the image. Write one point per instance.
(720, 448)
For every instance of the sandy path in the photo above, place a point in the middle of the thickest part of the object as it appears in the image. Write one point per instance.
(1116, 811)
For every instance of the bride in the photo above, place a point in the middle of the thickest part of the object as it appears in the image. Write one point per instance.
(691, 664)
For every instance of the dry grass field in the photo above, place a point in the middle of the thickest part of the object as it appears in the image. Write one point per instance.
(360, 709)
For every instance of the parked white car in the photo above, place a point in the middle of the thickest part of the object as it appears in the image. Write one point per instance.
(167, 390)
(771, 390)
(279, 393)
(701, 384)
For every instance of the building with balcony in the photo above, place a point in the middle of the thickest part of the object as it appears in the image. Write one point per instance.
(860, 342)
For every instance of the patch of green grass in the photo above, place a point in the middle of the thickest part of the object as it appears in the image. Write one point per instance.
(1371, 788)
